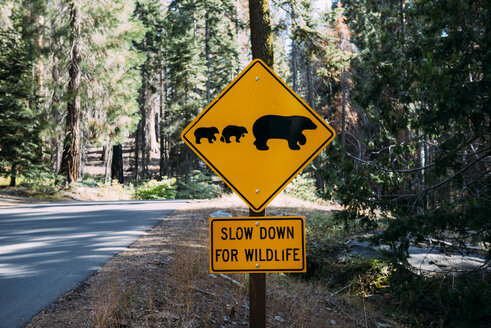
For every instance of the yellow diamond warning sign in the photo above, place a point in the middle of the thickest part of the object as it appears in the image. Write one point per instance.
(257, 135)
(257, 244)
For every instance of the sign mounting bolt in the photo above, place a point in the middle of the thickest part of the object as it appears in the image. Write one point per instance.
(257, 265)
(257, 191)
(257, 224)
(257, 78)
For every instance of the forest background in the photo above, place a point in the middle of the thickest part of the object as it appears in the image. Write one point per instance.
(406, 85)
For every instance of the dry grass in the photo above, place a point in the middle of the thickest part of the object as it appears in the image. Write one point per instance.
(113, 191)
(163, 280)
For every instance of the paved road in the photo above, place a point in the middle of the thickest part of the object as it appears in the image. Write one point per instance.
(47, 250)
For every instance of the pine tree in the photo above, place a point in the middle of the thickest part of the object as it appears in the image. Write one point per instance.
(20, 140)
(421, 81)
(71, 149)
(150, 14)
(192, 54)
(89, 78)
(112, 68)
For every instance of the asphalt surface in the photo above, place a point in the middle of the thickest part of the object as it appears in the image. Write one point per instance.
(47, 250)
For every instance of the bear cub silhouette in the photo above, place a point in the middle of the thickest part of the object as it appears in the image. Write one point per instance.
(233, 131)
(289, 128)
(206, 133)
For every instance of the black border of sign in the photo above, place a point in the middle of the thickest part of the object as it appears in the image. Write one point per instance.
(295, 172)
(258, 219)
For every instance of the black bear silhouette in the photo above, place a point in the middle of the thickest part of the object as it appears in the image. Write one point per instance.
(289, 128)
(233, 131)
(207, 133)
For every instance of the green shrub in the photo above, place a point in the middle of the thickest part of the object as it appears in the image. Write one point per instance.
(40, 182)
(451, 300)
(199, 186)
(153, 189)
(303, 187)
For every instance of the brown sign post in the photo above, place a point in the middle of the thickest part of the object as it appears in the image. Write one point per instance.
(257, 291)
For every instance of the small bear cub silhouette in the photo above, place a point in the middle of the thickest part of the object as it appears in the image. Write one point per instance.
(206, 133)
(233, 131)
(289, 128)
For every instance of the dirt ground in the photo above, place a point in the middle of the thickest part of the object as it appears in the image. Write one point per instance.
(163, 280)
(10, 198)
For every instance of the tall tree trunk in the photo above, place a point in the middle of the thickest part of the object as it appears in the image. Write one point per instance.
(207, 55)
(108, 162)
(137, 150)
(39, 41)
(294, 66)
(163, 162)
(261, 35)
(83, 157)
(151, 127)
(71, 152)
(294, 49)
(343, 106)
(13, 175)
(319, 183)
(186, 164)
(117, 171)
(310, 85)
(143, 120)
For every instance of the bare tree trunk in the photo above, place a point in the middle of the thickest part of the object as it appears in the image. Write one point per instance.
(294, 66)
(294, 49)
(143, 120)
(140, 142)
(186, 165)
(117, 171)
(261, 35)
(163, 97)
(151, 144)
(108, 162)
(83, 158)
(39, 41)
(13, 175)
(71, 153)
(137, 150)
(319, 183)
(57, 153)
(207, 55)
(310, 85)
(343, 106)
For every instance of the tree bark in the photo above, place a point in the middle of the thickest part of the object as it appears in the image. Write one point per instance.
(150, 129)
(140, 140)
(261, 35)
(13, 175)
(117, 171)
(207, 55)
(343, 106)
(143, 123)
(163, 97)
(39, 41)
(108, 161)
(71, 152)
(294, 49)
(137, 149)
